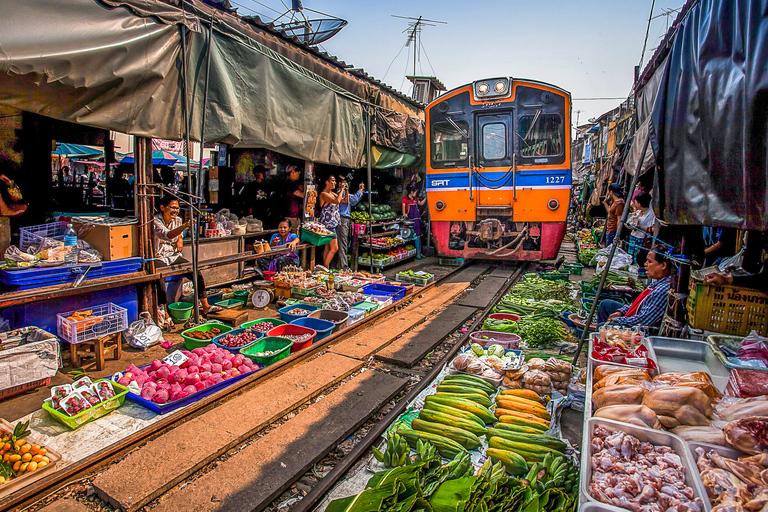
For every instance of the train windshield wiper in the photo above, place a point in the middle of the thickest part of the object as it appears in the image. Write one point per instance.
(458, 128)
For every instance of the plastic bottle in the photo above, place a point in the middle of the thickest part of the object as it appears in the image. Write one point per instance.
(70, 240)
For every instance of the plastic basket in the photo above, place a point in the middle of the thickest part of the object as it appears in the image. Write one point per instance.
(727, 309)
(23, 388)
(366, 306)
(339, 318)
(33, 235)
(355, 315)
(287, 316)
(323, 328)
(274, 321)
(418, 281)
(192, 343)
(504, 316)
(235, 350)
(386, 290)
(94, 413)
(451, 262)
(314, 238)
(281, 345)
(231, 304)
(505, 339)
(105, 319)
(575, 268)
(555, 276)
(303, 292)
(291, 329)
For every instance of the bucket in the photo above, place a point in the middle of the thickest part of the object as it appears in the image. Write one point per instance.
(180, 311)
(281, 347)
(504, 316)
(322, 327)
(487, 338)
(292, 329)
(339, 318)
(287, 316)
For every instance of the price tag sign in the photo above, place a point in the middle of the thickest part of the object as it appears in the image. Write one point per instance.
(175, 358)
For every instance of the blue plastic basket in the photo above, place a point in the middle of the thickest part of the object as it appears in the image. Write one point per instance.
(236, 350)
(323, 327)
(287, 316)
(384, 290)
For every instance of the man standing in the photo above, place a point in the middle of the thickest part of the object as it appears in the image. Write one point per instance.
(295, 197)
(345, 210)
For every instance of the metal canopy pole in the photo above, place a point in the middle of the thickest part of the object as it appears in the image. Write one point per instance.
(370, 190)
(187, 120)
(624, 215)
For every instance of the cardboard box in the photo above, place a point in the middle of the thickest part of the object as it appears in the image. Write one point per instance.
(113, 242)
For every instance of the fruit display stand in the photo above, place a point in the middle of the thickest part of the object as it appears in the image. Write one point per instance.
(24, 480)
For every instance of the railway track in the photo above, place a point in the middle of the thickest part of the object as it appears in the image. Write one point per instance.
(350, 368)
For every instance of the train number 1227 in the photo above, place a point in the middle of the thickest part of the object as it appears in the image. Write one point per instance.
(554, 180)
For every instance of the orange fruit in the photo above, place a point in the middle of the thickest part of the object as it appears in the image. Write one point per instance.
(41, 465)
(45, 459)
(34, 449)
(2, 480)
(6, 457)
(17, 465)
(21, 442)
(42, 451)
(25, 448)
(37, 458)
(15, 457)
(32, 466)
(26, 457)
(7, 446)
(23, 467)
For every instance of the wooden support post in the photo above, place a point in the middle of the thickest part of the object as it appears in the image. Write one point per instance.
(142, 151)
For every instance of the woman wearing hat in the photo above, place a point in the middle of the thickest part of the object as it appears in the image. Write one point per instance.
(615, 209)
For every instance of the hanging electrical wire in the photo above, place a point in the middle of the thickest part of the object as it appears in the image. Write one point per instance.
(647, 30)
(393, 61)
(429, 61)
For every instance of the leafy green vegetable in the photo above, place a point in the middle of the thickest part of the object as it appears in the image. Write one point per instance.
(542, 332)
(508, 326)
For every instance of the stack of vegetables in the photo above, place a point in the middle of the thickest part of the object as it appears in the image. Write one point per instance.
(452, 422)
(616, 279)
(587, 246)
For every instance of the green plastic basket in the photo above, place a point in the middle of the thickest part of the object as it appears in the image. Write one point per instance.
(89, 415)
(555, 276)
(275, 322)
(366, 306)
(282, 345)
(575, 268)
(231, 304)
(314, 238)
(192, 343)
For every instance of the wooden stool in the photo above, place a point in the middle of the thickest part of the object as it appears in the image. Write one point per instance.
(106, 347)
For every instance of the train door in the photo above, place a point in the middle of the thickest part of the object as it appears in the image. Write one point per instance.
(494, 153)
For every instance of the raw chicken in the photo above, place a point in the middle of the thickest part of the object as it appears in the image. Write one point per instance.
(679, 405)
(636, 414)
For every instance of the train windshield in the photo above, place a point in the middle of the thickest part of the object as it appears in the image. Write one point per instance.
(540, 134)
(450, 141)
(494, 141)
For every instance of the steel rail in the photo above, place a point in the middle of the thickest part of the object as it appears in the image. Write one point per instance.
(95, 462)
(319, 491)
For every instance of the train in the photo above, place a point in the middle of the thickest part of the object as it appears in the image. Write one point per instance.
(499, 169)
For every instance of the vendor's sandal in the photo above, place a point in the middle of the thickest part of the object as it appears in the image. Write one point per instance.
(213, 309)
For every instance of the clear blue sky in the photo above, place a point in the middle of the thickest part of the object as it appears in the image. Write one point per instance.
(588, 47)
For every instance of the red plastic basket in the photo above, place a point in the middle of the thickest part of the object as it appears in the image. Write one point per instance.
(504, 316)
(17, 390)
(288, 329)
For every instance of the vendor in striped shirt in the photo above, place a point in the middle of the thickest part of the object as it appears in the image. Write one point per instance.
(648, 308)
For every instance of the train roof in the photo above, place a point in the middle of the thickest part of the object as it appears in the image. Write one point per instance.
(510, 78)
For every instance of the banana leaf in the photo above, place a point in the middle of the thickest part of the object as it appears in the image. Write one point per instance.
(410, 476)
(412, 504)
(378, 499)
(453, 495)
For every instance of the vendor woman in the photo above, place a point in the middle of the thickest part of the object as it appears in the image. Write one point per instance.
(648, 309)
(283, 237)
(167, 228)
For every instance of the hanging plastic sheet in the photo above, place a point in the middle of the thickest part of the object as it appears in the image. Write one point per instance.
(710, 118)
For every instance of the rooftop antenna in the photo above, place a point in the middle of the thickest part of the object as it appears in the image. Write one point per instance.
(415, 26)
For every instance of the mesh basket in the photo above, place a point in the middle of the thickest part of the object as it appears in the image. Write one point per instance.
(33, 235)
(104, 320)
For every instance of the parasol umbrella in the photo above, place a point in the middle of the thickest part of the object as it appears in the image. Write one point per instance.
(77, 151)
(158, 158)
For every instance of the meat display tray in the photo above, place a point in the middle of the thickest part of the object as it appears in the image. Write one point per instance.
(722, 450)
(655, 437)
(681, 355)
(596, 506)
(598, 362)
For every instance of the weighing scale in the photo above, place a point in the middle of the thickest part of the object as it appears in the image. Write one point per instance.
(263, 294)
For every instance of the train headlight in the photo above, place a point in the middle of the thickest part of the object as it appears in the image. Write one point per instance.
(440, 205)
(483, 88)
(500, 86)
(553, 204)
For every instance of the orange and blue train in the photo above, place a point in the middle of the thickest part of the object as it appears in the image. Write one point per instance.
(499, 169)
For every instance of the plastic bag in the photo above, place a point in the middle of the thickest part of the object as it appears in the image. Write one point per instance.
(754, 348)
(143, 333)
(621, 259)
(13, 253)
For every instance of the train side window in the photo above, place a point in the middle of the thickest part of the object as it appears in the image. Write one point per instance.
(494, 141)
(448, 143)
(540, 135)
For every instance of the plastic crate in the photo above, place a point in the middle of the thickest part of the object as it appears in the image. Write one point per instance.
(386, 290)
(555, 276)
(323, 328)
(105, 319)
(314, 238)
(292, 329)
(367, 307)
(451, 262)
(727, 309)
(281, 345)
(33, 235)
(303, 292)
(488, 338)
(418, 281)
(574, 268)
(231, 304)
(192, 343)
(287, 316)
(89, 415)
(23, 388)
(355, 315)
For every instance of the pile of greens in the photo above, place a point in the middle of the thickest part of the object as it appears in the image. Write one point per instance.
(533, 287)
(538, 332)
(515, 305)
(425, 485)
(615, 279)
(508, 326)
(587, 255)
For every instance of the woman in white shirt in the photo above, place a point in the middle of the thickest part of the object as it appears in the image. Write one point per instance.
(167, 228)
(642, 220)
